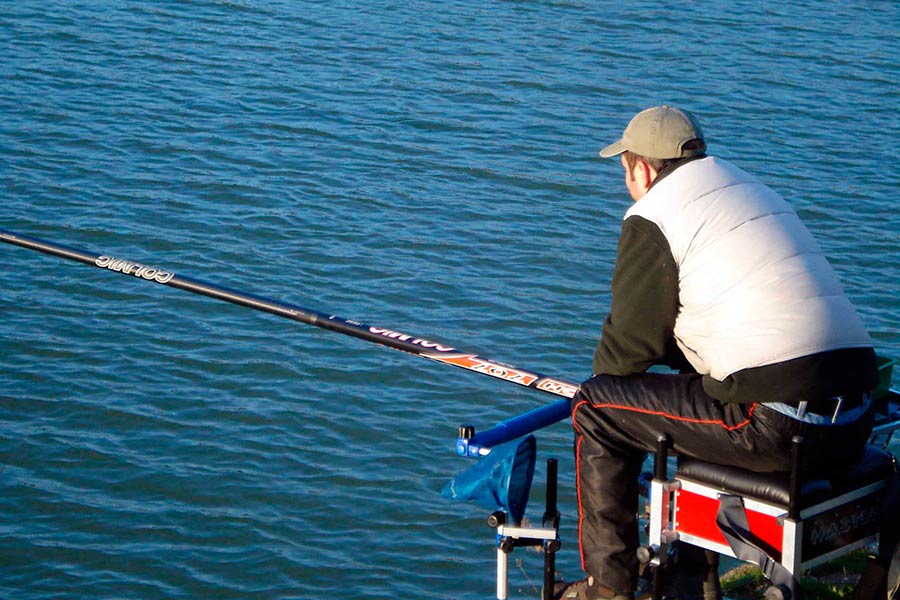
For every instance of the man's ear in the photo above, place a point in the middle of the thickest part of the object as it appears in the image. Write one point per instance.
(644, 174)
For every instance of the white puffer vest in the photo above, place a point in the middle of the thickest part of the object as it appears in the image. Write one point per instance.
(755, 289)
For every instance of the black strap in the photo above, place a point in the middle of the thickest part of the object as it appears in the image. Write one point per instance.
(732, 521)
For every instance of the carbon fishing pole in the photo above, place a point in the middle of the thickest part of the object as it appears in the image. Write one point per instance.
(468, 443)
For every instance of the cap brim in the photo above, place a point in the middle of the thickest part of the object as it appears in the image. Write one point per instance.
(613, 149)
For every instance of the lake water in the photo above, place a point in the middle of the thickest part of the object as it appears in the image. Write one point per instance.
(424, 166)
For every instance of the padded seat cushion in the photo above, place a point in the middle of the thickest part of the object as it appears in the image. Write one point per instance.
(774, 488)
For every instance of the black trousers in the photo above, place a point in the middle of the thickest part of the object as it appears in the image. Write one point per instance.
(617, 421)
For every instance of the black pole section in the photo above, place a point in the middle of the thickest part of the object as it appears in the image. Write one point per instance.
(660, 462)
(795, 481)
(551, 513)
(378, 335)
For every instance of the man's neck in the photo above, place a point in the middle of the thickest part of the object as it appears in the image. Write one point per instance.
(669, 168)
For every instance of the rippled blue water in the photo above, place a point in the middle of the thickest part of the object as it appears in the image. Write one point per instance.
(425, 166)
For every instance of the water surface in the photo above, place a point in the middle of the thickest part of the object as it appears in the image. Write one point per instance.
(424, 166)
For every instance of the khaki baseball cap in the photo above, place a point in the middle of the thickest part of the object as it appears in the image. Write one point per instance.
(659, 132)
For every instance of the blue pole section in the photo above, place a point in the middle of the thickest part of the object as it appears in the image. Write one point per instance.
(480, 444)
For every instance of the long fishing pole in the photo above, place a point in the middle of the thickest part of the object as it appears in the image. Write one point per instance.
(468, 443)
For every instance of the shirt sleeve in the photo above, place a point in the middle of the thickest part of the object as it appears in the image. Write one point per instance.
(638, 332)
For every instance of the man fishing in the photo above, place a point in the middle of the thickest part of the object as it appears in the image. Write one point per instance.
(716, 277)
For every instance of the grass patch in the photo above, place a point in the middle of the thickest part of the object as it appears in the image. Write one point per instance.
(745, 582)
(831, 581)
